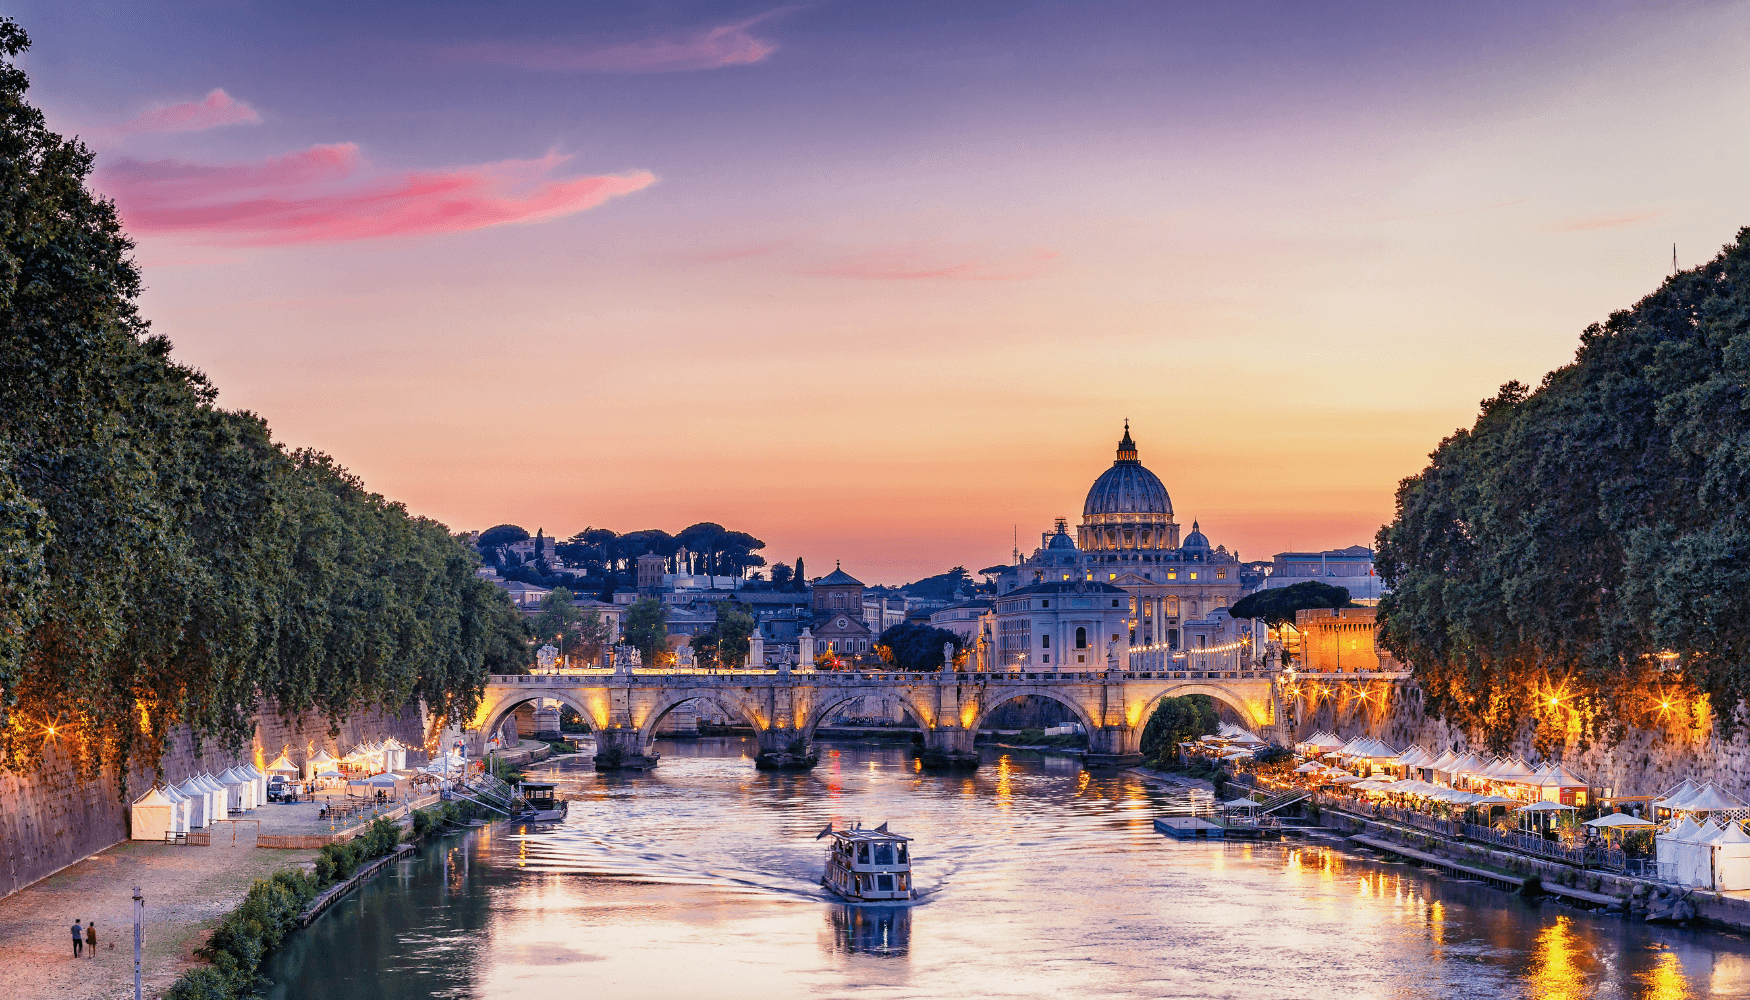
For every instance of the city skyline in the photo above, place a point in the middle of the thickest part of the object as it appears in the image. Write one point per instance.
(879, 287)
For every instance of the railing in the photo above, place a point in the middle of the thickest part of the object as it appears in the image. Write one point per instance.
(1528, 843)
(1287, 798)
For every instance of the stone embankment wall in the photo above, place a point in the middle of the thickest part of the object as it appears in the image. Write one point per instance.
(1644, 763)
(53, 818)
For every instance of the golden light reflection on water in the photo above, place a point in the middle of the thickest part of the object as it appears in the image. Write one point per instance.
(1556, 972)
(1005, 790)
(1437, 923)
(1664, 981)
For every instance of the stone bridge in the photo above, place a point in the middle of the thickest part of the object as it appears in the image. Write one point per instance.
(625, 706)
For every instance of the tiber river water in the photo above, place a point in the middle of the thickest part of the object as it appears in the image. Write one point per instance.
(700, 880)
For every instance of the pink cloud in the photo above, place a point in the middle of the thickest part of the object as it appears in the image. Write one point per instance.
(1600, 222)
(924, 261)
(326, 194)
(219, 108)
(709, 48)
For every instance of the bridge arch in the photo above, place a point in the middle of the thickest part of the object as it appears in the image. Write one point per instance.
(1081, 713)
(826, 702)
(716, 696)
(1227, 696)
(493, 714)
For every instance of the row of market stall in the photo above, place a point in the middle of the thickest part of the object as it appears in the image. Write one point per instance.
(197, 802)
(368, 758)
(1509, 778)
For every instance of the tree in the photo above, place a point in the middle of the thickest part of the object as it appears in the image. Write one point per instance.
(646, 627)
(941, 587)
(1578, 561)
(576, 631)
(1278, 605)
(164, 562)
(799, 579)
(502, 534)
(1175, 721)
(781, 576)
(911, 646)
(725, 642)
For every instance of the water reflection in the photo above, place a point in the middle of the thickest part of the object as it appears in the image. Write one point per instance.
(870, 930)
(1036, 879)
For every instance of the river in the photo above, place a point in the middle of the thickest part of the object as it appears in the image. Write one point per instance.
(700, 880)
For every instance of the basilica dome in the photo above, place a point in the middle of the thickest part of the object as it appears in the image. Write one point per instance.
(1128, 488)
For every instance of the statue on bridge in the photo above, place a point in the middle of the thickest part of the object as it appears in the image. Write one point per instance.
(684, 658)
(947, 656)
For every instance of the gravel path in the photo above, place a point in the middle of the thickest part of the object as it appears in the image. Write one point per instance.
(186, 888)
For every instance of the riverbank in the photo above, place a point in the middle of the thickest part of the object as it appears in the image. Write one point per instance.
(187, 890)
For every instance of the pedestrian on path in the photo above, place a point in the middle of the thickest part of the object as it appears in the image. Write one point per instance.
(91, 938)
(78, 937)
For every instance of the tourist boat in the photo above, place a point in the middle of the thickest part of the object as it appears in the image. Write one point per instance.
(868, 866)
(540, 805)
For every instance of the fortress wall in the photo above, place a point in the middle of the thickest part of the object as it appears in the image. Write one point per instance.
(1643, 763)
(52, 818)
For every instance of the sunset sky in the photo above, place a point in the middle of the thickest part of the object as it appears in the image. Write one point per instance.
(879, 282)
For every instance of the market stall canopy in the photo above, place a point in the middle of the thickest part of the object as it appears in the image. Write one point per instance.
(1443, 762)
(1237, 756)
(282, 765)
(377, 781)
(1616, 821)
(1558, 776)
(1240, 804)
(1494, 800)
(1680, 790)
(1308, 768)
(1346, 779)
(328, 772)
(1544, 807)
(1708, 798)
(1686, 829)
(323, 757)
(152, 817)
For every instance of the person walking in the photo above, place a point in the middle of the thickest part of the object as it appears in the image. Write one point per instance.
(78, 937)
(90, 939)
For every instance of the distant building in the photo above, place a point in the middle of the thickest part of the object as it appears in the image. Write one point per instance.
(1350, 568)
(837, 607)
(962, 619)
(1061, 625)
(522, 594)
(1129, 539)
(1341, 640)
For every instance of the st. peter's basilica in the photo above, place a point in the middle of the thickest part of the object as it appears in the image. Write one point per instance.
(1128, 538)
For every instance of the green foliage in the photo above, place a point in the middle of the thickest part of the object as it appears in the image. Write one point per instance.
(1177, 720)
(1576, 532)
(725, 642)
(1279, 605)
(942, 586)
(501, 534)
(912, 646)
(240, 942)
(646, 627)
(163, 561)
(583, 631)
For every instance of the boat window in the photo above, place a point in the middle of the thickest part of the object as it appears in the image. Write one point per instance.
(902, 858)
(885, 883)
(903, 882)
(884, 854)
(862, 854)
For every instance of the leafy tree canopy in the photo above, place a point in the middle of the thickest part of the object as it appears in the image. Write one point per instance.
(1279, 605)
(725, 642)
(942, 586)
(163, 561)
(502, 534)
(911, 646)
(646, 627)
(1580, 557)
(1175, 721)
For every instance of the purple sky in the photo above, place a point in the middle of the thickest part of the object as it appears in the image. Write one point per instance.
(879, 282)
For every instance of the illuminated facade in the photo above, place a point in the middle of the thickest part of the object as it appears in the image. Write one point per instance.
(1128, 539)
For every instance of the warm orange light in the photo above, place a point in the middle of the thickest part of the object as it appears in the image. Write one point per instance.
(1552, 702)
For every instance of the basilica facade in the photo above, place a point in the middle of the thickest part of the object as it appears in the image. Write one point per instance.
(1128, 539)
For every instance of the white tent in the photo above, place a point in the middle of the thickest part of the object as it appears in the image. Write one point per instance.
(200, 803)
(1683, 848)
(281, 765)
(179, 813)
(314, 764)
(1616, 821)
(1732, 858)
(1683, 789)
(152, 816)
(218, 793)
(1710, 798)
(258, 776)
(239, 790)
(397, 755)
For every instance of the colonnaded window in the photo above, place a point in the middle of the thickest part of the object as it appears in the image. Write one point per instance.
(1081, 638)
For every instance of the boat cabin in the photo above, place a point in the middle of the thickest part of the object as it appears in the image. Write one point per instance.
(869, 865)
(539, 796)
